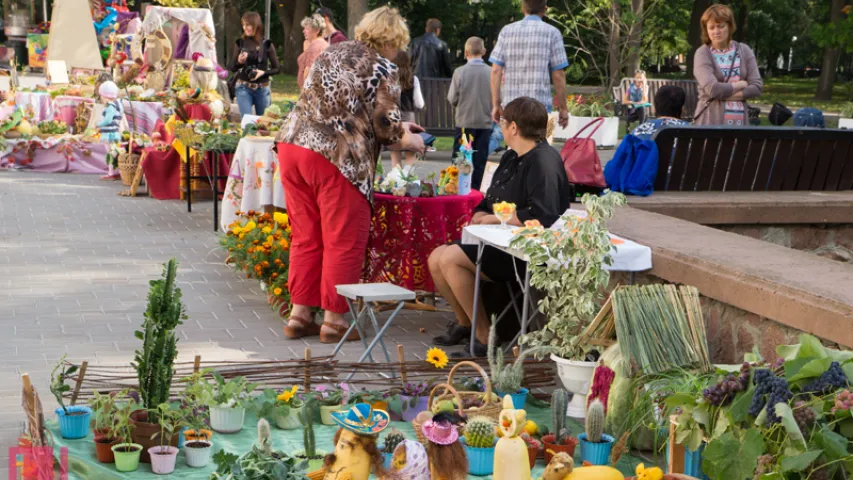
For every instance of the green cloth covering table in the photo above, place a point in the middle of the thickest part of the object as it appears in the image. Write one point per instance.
(84, 466)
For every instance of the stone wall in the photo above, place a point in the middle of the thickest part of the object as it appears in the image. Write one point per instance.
(830, 241)
(732, 332)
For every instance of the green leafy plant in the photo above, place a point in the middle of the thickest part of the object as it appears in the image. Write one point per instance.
(61, 373)
(507, 378)
(154, 364)
(580, 106)
(306, 418)
(103, 409)
(261, 462)
(122, 427)
(170, 419)
(270, 404)
(329, 398)
(847, 109)
(367, 396)
(233, 393)
(562, 434)
(567, 264)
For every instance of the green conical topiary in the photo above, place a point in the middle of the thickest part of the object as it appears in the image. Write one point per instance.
(392, 439)
(480, 432)
(595, 421)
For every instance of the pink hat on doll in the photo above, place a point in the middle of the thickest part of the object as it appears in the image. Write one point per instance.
(441, 432)
(108, 90)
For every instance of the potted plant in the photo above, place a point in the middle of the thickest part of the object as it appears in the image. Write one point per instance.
(74, 419)
(479, 442)
(227, 407)
(163, 456)
(412, 398)
(393, 438)
(571, 295)
(595, 444)
(126, 452)
(507, 378)
(329, 401)
(282, 408)
(534, 446)
(561, 440)
(846, 119)
(197, 445)
(310, 454)
(103, 410)
(583, 111)
(195, 397)
(375, 398)
(154, 363)
(259, 462)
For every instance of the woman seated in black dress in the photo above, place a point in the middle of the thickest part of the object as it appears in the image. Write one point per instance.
(531, 175)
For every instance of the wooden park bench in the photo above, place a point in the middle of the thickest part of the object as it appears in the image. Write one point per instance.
(691, 89)
(437, 115)
(753, 159)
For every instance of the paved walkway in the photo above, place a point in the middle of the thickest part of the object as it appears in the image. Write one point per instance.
(75, 262)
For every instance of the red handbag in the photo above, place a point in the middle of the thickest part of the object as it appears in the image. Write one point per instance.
(580, 158)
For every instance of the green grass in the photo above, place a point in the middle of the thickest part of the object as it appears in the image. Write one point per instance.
(284, 87)
(799, 92)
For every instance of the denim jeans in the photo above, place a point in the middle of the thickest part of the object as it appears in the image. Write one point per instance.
(248, 98)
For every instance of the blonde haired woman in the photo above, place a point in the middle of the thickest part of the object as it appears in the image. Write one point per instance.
(327, 149)
(312, 28)
(726, 71)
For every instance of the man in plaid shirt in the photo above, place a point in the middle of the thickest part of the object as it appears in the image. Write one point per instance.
(528, 56)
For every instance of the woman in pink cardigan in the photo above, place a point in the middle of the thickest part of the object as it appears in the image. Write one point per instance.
(312, 28)
(726, 71)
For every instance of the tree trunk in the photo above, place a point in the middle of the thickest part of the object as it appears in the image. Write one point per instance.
(831, 53)
(221, 32)
(694, 35)
(614, 50)
(291, 14)
(355, 10)
(742, 19)
(635, 39)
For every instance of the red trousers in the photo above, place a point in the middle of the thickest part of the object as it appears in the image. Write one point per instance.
(331, 225)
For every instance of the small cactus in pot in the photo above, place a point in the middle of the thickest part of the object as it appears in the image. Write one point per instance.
(595, 444)
(595, 421)
(392, 439)
(480, 432)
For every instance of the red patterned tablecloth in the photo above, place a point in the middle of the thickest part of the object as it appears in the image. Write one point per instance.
(406, 230)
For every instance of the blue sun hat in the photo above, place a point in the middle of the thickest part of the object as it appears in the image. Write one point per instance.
(362, 419)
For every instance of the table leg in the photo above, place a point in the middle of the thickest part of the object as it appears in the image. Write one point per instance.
(356, 318)
(376, 328)
(631, 278)
(480, 247)
(188, 183)
(525, 307)
(216, 191)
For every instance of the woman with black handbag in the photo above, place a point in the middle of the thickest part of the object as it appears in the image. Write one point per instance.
(253, 62)
(726, 71)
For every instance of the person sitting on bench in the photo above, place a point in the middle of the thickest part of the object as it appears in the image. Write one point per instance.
(669, 102)
(532, 176)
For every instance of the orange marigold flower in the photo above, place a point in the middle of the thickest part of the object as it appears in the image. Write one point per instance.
(255, 242)
(274, 276)
(251, 250)
(277, 291)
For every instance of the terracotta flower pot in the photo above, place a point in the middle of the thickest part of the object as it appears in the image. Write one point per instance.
(532, 454)
(549, 445)
(104, 450)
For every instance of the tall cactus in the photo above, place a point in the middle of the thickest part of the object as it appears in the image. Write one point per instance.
(595, 421)
(264, 436)
(154, 364)
(306, 417)
(559, 404)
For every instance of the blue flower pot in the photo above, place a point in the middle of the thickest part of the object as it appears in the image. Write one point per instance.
(386, 460)
(74, 425)
(519, 398)
(181, 438)
(481, 461)
(596, 453)
(693, 463)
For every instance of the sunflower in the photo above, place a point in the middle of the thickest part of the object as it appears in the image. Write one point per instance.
(436, 357)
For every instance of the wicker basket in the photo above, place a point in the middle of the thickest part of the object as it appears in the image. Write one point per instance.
(444, 391)
(127, 165)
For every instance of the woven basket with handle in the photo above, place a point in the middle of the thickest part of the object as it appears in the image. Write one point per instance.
(127, 165)
(445, 391)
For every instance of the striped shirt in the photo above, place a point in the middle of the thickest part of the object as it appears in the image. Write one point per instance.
(529, 50)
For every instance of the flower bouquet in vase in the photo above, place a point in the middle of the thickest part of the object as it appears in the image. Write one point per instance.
(448, 183)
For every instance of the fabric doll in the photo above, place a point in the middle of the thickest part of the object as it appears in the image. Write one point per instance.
(447, 458)
(109, 126)
(409, 462)
(356, 452)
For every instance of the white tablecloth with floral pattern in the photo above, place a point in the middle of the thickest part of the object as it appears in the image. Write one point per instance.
(254, 181)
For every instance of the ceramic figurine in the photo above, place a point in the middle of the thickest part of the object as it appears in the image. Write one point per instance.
(561, 467)
(447, 458)
(511, 458)
(356, 452)
(109, 126)
(408, 463)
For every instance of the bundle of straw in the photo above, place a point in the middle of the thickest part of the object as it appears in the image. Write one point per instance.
(660, 327)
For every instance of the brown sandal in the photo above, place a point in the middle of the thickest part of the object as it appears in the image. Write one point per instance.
(304, 328)
(338, 335)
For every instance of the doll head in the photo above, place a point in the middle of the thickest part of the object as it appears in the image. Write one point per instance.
(203, 73)
(108, 91)
(446, 454)
(358, 453)
(511, 421)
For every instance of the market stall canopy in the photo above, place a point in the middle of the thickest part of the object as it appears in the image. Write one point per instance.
(200, 22)
(72, 36)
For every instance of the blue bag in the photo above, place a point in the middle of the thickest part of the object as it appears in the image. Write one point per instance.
(633, 168)
(809, 117)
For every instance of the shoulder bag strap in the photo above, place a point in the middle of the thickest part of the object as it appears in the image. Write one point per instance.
(598, 122)
(728, 76)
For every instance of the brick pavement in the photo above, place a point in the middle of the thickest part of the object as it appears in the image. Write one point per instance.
(75, 262)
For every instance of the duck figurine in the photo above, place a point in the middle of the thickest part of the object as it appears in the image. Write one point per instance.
(562, 467)
(356, 452)
(511, 457)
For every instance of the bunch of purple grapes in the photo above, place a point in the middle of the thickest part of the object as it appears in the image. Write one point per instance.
(769, 390)
(829, 381)
(804, 415)
(724, 392)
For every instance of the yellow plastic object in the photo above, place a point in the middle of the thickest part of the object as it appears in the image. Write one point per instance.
(595, 473)
(511, 458)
